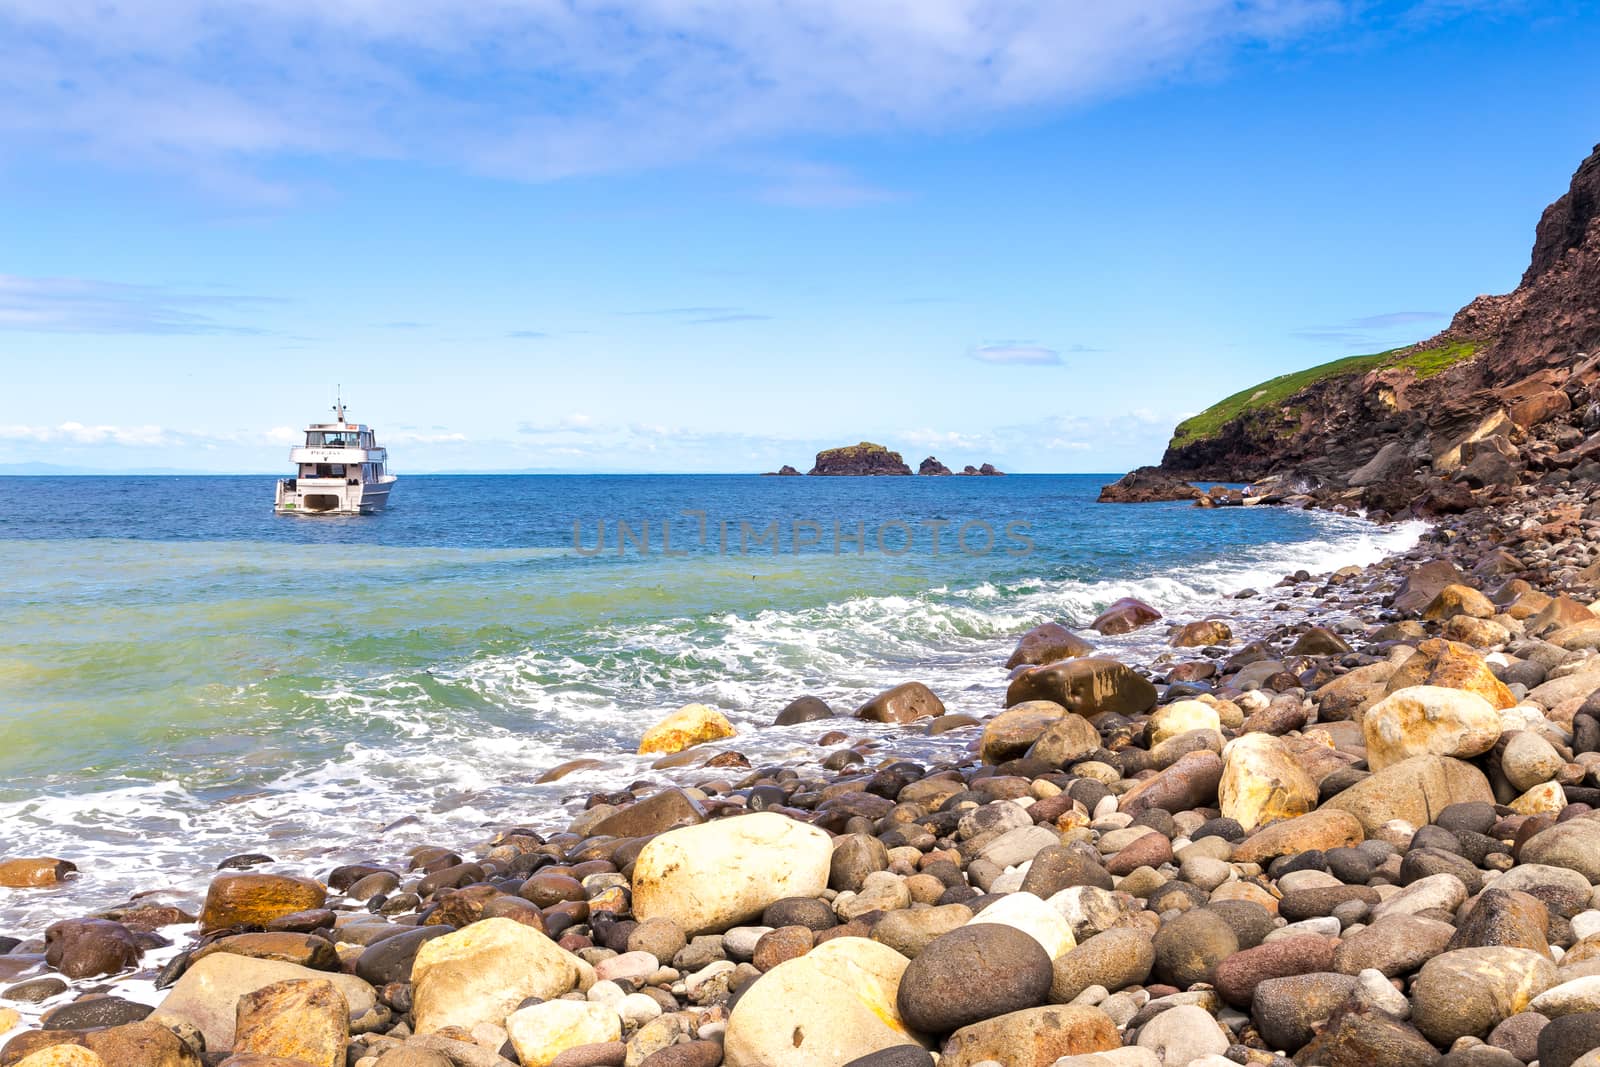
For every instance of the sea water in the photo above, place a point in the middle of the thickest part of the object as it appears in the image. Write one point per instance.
(185, 675)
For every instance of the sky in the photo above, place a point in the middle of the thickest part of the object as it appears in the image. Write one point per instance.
(719, 235)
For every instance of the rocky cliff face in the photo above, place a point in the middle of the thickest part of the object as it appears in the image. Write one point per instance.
(1405, 416)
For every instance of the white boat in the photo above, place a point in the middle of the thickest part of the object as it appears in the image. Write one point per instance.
(340, 471)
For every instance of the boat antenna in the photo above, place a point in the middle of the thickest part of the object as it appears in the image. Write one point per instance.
(338, 402)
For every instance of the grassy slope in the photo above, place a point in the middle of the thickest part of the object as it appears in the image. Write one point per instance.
(1274, 393)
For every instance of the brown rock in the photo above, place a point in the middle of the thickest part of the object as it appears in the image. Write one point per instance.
(1086, 686)
(784, 943)
(1424, 583)
(1355, 1038)
(1191, 782)
(1011, 733)
(1047, 643)
(141, 1044)
(1149, 850)
(1237, 976)
(904, 703)
(1395, 945)
(1540, 408)
(1189, 947)
(1319, 641)
(1501, 917)
(62, 1056)
(1149, 485)
(970, 974)
(1036, 1037)
(1124, 616)
(83, 948)
(1414, 790)
(1561, 612)
(1458, 600)
(1322, 830)
(305, 949)
(1204, 632)
(688, 1054)
(1066, 741)
(34, 873)
(305, 1020)
(654, 814)
(251, 899)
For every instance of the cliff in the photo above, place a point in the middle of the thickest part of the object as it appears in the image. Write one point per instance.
(1510, 375)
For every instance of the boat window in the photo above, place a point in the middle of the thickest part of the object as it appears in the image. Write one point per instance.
(313, 439)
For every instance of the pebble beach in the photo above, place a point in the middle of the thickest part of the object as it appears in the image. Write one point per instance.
(1365, 836)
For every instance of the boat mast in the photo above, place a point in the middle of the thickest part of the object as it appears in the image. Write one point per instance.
(338, 403)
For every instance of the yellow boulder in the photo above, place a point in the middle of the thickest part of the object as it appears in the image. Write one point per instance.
(1429, 720)
(1262, 782)
(1180, 717)
(834, 1004)
(690, 725)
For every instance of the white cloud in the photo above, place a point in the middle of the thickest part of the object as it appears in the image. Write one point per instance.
(541, 89)
(82, 305)
(412, 437)
(923, 439)
(1017, 352)
(76, 433)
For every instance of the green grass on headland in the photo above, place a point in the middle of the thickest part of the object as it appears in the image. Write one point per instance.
(1275, 392)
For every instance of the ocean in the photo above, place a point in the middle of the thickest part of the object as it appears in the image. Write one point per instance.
(185, 675)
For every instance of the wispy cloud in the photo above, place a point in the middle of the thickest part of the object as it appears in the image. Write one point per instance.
(421, 437)
(82, 305)
(708, 315)
(1348, 338)
(403, 326)
(717, 320)
(541, 89)
(1368, 331)
(1017, 352)
(527, 335)
(575, 423)
(682, 312)
(1396, 318)
(819, 185)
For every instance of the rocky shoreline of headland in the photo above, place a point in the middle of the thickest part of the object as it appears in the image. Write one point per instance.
(1510, 389)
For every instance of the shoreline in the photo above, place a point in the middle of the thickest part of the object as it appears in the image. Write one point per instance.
(967, 679)
(599, 909)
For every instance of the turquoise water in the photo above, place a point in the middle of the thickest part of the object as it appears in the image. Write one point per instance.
(186, 675)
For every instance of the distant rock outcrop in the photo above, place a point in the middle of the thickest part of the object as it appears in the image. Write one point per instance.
(861, 459)
(782, 472)
(985, 471)
(933, 466)
(1148, 485)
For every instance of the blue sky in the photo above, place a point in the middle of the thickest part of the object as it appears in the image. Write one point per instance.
(717, 235)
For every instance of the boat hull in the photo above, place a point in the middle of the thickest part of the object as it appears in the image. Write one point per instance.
(303, 497)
